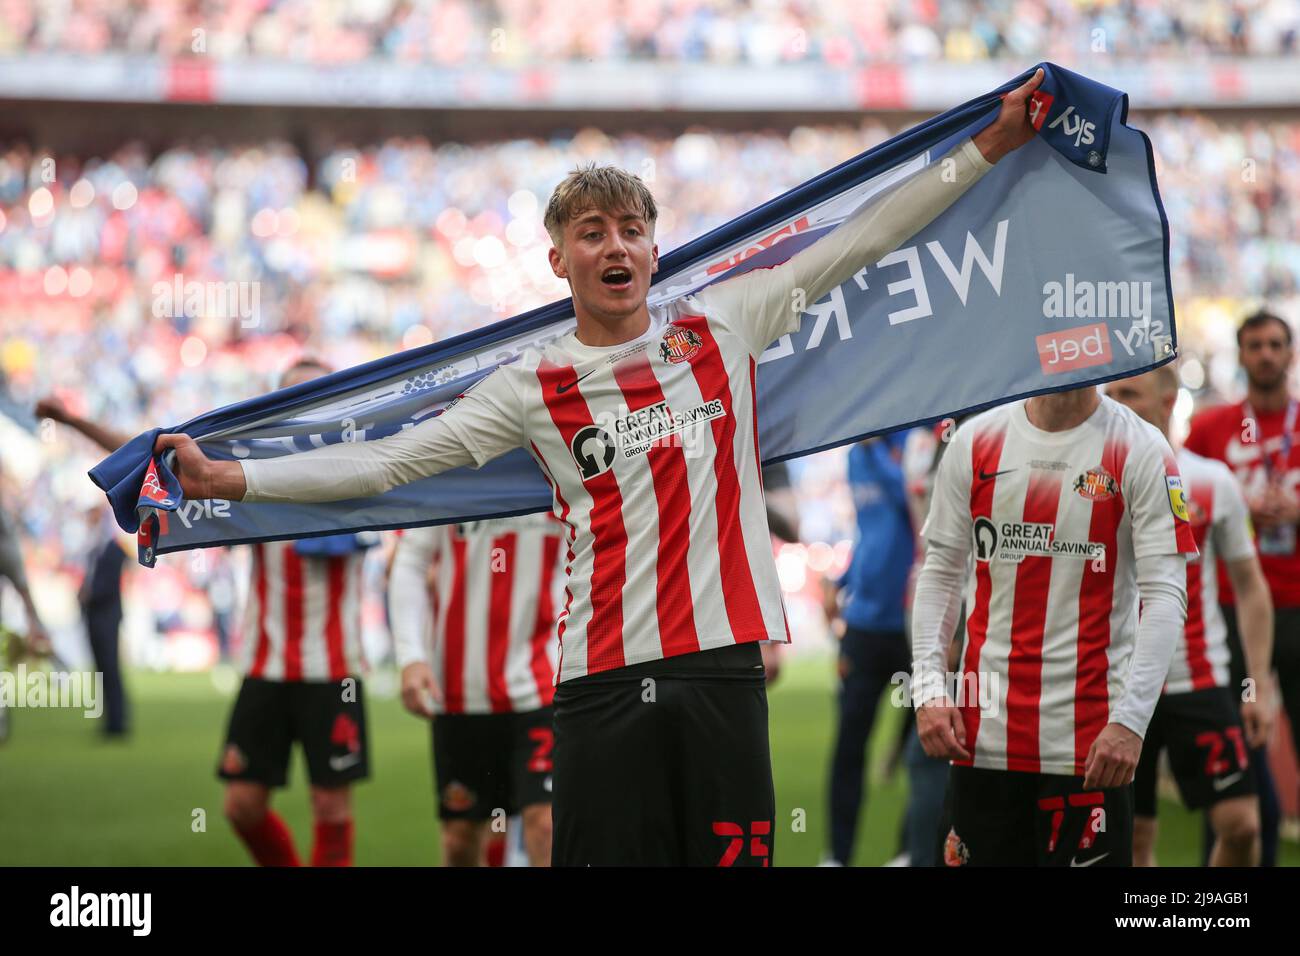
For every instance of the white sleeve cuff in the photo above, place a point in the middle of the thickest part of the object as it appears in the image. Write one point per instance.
(977, 159)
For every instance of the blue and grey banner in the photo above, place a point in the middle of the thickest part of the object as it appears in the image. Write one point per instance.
(1049, 273)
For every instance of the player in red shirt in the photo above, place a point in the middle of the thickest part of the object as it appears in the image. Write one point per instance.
(1259, 439)
(644, 422)
(1196, 721)
(1066, 508)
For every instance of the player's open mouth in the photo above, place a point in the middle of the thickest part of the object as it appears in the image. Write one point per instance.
(617, 278)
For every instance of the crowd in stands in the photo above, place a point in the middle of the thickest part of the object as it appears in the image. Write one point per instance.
(754, 32)
(375, 247)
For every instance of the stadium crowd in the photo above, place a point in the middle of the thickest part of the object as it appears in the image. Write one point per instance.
(390, 245)
(755, 32)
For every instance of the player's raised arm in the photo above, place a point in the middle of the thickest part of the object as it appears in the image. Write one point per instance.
(485, 423)
(105, 436)
(764, 300)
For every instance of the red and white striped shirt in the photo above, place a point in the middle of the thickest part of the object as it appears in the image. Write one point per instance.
(651, 451)
(302, 621)
(1056, 521)
(497, 590)
(1221, 525)
(650, 446)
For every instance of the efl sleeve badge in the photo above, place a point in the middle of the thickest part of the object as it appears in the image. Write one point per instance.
(1177, 499)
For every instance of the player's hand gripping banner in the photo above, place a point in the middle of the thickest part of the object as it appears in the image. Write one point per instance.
(1052, 271)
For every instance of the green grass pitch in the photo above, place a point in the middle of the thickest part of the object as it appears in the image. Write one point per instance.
(69, 798)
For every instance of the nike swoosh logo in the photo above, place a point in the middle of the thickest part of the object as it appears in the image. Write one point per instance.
(1223, 783)
(1074, 862)
(985, 476)
(342, 763)
(561, 389)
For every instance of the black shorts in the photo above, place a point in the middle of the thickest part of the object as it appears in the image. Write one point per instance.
(1207, 750)
(1010, 818)
(665, 763)
(328, 719)
(485, 763)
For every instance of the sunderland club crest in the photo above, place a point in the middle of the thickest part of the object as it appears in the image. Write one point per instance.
(233, 761)
(679, 344)
(345, 733)
(1096, 484)
(457, 797)
(955, 852)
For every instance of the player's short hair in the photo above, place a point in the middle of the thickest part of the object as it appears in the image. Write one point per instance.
(1166, 378)
(606, 188)
(305, 361)
(1259, 319)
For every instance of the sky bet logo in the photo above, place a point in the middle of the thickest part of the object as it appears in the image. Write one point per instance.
(1141, 334)
(1073, 124)
(1040, 104)
(1080, 347)
(191, 511)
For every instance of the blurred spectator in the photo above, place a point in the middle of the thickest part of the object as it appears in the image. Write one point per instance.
(13, 569)
(100, 594)
(783, 524)
(100, 598)
(874, 648)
